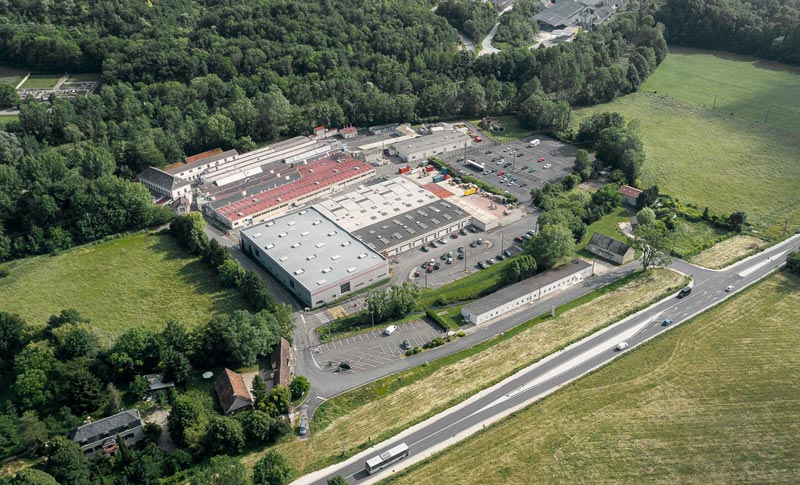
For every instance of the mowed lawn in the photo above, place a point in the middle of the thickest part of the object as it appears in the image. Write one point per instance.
(715, 400)
(708, 158)
(374, 413)
(142, 279)
(41, 81)
(745, 86)
(11, 75)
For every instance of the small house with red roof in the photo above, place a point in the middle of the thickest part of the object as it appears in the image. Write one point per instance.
(232, 392)
(630, 195)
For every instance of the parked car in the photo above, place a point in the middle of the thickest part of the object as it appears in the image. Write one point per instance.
(507, 253)
(547, 165)
(507, 164)
(461, 256)
(519, 238)
(526, 236)
(454, 235)
(461, 249)
(436, 266)
(463, 232)
(490, 261)
(303, 428)
(416, 274)
(501, 173)
(479, 241)
(530, 232)
(434, 244)
(472, 229)
(389, 330)
(473, 244)
(345, 365)
(405, 345)
(524, 185)
(449, 261)
(500, 257)
(424, 265)
(481, 265)
(540, 160)
(430, 269)
(425, 249)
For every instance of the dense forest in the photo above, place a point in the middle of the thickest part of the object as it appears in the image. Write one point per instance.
(186, 76)
(475, 19)
(764, 28)
(518, 27)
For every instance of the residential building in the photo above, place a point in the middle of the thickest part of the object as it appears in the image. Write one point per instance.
(348, 132)
(630, 195)
(437, 143)
(101, 437)
(313, 257)
(232, 392)
(526, 292)
(610, 249)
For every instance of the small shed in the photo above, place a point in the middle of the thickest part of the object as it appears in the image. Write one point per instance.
(157, 384)
(630, 195)
(610, 249)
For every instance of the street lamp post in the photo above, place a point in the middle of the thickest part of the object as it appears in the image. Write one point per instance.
(502, 240)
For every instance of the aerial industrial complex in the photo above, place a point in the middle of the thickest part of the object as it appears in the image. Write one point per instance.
(315, 258)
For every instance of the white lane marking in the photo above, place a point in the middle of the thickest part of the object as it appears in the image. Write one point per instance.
(746, 272)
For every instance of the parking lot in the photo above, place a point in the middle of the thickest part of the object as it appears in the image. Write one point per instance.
(523, 167)
(373, 349)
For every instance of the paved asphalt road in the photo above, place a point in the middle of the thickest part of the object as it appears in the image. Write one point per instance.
(548, 375)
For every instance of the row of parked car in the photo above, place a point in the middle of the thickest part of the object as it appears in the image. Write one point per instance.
(441, 242)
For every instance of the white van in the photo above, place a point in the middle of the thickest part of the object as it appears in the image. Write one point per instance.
(534, 143)
(390, 329)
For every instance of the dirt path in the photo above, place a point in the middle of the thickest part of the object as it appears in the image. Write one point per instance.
(165, 440)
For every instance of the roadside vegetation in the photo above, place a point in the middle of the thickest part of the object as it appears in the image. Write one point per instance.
(370, 413)
(712, 400)
(142, 279)
(728, 252)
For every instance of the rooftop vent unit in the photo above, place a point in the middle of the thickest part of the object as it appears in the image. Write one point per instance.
(269, 246)
(310, 257)
(305, 233)
(335, 257)
(299, 271)
(362, 256)
(239, 214)
(270, 223)
(316, 222)
(256, 235)
(291, 223)
(332, 233)
(321, 282)
(351, 269)
(345, 243)
(303, 212)
(283, 234)
(319, 245)
(327, 270)
(296, 245)
(283, 259)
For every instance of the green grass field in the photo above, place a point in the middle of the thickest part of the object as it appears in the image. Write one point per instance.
(83, 77)
(513, 130)
(715, 400)
(745, 86)
(41, 81)
(11, 75)
(607, 225)
(142, 279)
(708, 158)
(6, 119)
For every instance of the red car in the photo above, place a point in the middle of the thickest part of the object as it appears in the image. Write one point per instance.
(540, 160)
(501, 173)
(430, 269)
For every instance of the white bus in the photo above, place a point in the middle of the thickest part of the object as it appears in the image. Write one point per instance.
(378, 463)
(480, 167)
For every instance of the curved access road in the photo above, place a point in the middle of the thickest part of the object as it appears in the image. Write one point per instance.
(548, 375)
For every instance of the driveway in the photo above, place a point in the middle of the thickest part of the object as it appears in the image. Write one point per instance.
(373, 349)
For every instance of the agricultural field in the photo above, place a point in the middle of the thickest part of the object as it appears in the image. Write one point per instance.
(142, 279)
(745, 86)
(705, 157)
(370, 413)
(41, 81)
(714, 400)
(11, 75)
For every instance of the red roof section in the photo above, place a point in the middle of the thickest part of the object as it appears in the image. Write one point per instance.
(437, 190)
(319, 129)
(349, 129)
(194, 158)
(629, 191)
(314, 176)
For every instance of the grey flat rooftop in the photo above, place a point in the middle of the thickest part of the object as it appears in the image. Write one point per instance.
(312, 248)
(375, 203)
(559, 13)
(410, 225)
(511, 293)
(434, 140)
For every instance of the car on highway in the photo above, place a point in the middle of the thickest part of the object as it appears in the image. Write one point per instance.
(684, 292)
(405, 345)
(389, 330)
(667, 322)
(729, 288)
(621, 346)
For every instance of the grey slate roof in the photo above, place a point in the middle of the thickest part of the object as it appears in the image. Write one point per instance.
(608, 244)
(511, 293)
(202, 161)
(162, 178)
(106, 427)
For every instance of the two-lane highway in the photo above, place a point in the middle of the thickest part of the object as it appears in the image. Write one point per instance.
(561, 368)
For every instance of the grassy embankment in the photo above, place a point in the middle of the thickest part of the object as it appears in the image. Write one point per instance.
(715, 400)
(141, 279)
(708, 157)
(728, 252)
(370, 413)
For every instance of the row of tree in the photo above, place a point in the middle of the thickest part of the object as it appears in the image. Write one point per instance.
(762, 28)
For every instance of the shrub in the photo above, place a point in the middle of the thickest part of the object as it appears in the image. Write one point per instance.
(438, 341)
